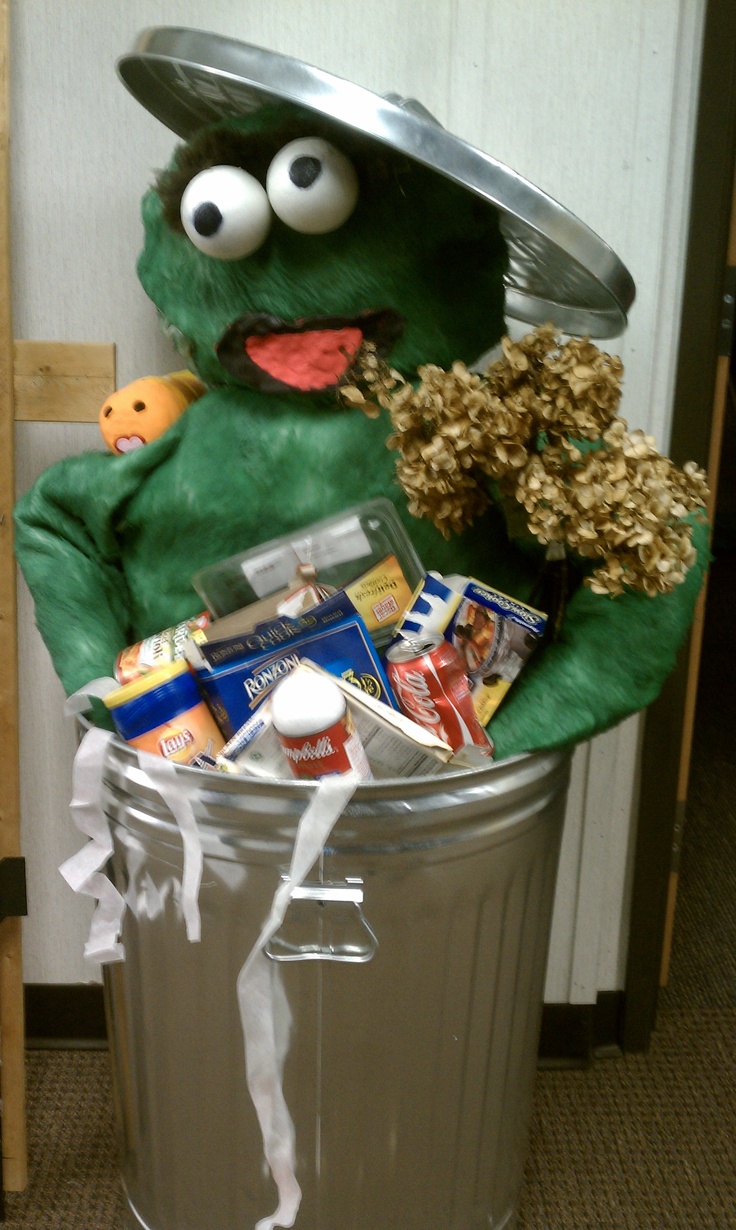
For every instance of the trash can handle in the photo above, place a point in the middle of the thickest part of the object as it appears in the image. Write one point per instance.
(327, 892)
(325, 922)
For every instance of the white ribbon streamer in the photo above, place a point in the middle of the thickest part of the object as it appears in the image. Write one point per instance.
(78, 702)
(262, 1017)
(264, 1010)
(83, 871)
(162, 773)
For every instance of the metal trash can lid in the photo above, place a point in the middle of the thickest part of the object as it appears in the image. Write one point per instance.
(559, 269)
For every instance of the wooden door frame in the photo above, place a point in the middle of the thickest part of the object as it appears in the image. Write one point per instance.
(12, 1033)
(667, 723)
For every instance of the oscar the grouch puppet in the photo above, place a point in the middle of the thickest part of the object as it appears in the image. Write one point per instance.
(285, 248)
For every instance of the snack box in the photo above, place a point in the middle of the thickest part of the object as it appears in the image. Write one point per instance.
(255, 748)
(339, 549)
(270, 633)
(395, 746)
(379, 596)
(236, 675)
(290, 603)
(494, 633)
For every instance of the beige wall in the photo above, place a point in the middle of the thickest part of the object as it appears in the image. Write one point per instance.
(592, 100)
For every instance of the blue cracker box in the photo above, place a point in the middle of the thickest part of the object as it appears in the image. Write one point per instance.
(494, 634)
(235, 685)
(271, 634)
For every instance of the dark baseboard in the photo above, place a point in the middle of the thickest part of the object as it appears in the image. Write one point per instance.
(573, 1035)
(65, 1015)
(61, 1015)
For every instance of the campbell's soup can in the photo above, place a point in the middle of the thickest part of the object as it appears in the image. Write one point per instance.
(157, 650)
(432, 688)
(315, 727)
(163, 712)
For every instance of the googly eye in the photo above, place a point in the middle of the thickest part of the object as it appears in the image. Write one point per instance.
(225, 212)
(312, 187)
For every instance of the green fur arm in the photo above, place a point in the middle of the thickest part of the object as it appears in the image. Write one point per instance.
(69, 555)
(611, 659)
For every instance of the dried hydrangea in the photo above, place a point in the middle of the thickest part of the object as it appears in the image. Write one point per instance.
(622, 503)
(542, 422)
(573, 388)
(452, 432)
(372, 385)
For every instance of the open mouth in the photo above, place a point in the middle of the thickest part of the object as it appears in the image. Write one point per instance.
(126, 444)
(305, 355)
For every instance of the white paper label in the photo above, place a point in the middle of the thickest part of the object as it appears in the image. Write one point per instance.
(338, 545)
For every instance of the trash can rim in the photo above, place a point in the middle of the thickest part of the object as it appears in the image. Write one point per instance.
(235, 782)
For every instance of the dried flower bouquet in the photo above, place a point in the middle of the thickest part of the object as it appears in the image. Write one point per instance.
(540, 429)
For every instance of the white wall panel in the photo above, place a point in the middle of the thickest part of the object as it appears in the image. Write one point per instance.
(592, 100)
(57, 923)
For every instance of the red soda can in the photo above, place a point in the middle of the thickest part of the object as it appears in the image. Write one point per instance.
(432, 688)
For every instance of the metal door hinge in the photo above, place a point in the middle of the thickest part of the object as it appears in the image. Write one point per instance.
(728, 303)
(13, 899)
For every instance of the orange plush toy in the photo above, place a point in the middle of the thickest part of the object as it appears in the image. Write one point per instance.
(144, 409)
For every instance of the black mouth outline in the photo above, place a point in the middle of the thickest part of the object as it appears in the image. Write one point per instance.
(383, 328)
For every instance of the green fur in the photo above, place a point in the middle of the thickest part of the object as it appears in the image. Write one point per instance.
(108, 544)
(611, 659)
(416, 243)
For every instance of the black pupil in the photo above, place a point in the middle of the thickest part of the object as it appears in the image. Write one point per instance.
(207, 219)
(304, 170)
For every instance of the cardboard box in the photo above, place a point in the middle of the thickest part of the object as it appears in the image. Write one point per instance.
(395, 746)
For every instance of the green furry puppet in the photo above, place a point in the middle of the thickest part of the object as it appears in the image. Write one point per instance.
(277, 248)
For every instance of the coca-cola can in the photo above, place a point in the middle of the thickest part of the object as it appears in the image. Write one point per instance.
(432, 688)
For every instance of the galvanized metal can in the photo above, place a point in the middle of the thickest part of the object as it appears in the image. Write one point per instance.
(411, 965)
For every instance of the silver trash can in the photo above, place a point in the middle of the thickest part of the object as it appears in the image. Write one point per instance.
(412, 964)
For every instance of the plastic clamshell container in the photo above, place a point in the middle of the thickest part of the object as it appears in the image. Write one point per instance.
(340, 548)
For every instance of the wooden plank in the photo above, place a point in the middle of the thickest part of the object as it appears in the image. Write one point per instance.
(12, 1031)
(715, 448)
(694, 657)
(12, 1057)
(62, 382)
(720, 400)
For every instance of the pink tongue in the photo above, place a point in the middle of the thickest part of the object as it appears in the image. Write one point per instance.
(312, 360)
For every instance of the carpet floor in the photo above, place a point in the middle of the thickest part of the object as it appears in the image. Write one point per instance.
(635, 1142)
(649, 1141)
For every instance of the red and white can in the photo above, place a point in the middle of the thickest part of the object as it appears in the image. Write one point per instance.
(315, 727)
(158, 650)
(432, 688)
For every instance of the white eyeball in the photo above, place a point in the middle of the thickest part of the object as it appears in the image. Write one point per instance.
(312, 186)
(225, 212)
